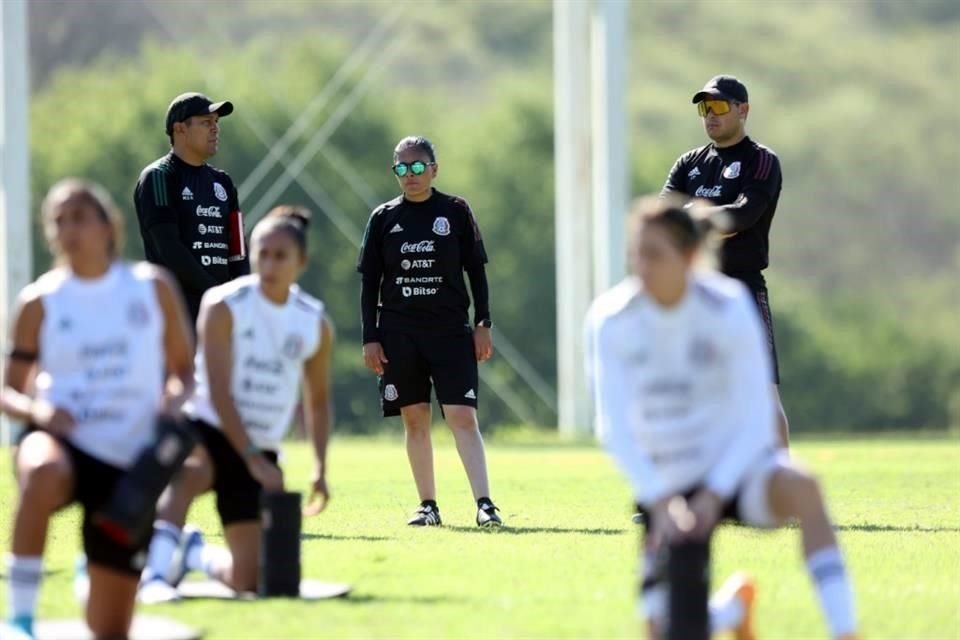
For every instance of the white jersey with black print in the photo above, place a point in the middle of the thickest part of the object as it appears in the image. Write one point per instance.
(682, 394)
(102, 357)
(270, 344)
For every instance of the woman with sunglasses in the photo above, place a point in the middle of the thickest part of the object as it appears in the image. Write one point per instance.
(742, 179)
(417, 332)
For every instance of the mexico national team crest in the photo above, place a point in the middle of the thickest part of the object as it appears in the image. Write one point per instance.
(390, 393)
(441, 226)
(702, 352)
(137, 314)
(732, 171)
(293, 346)
(220, 192)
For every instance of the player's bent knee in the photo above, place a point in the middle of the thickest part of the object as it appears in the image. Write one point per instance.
(44, 484)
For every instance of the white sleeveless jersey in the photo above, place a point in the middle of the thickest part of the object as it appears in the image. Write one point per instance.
(102, 357)
(270, 344)
(682, 395)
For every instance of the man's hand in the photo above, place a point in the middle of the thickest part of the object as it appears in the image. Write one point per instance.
(374, 357)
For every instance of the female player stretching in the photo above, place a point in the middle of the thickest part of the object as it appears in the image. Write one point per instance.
(680, 374)
(260, 336)
(93, 336)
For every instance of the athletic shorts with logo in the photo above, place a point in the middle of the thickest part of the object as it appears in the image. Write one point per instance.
(93, 485)
(419, 362)
(761, 298)
(238, 492)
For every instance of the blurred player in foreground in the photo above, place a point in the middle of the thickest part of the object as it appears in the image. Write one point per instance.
(260, 337)
(680, 372)
(94, 336)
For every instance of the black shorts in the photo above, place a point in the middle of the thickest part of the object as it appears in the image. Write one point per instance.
(417, 362)
(93, 484)
(761, 298)
(238, 492)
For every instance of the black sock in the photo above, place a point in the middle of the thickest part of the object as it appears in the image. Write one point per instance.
(430, 503)
(484, 500)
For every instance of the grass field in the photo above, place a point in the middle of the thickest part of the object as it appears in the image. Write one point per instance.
(563, 567)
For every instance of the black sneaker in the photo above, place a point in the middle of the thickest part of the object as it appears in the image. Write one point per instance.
(487, 515)
(426, 515)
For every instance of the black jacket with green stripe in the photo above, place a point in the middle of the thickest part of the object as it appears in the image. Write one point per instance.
(191, 224)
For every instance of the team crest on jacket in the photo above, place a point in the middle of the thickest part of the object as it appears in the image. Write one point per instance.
(293, 346)
(732, 171)
(390, 393)
(137, 314)
(441, 226)
(219, 191)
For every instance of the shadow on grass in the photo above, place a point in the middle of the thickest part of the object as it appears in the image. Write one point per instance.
(507, 529)
(369, 598)
(881, 528)
(330, 536)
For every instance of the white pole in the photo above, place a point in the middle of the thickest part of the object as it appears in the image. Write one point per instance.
(571, 77)
(611, 187)
(14, 170)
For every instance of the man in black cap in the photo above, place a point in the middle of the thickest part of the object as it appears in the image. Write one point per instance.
(188, 211)
(742, 178)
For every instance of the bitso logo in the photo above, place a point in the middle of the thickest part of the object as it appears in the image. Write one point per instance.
(390, 393)
(219, 191)
(441, 226)
(205, 261)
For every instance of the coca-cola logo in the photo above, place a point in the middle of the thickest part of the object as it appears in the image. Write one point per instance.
(424, 246)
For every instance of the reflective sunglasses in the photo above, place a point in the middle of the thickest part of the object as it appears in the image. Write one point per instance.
(718, 107)
(417, 168)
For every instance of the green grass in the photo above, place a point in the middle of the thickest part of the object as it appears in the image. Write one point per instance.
(563, 568)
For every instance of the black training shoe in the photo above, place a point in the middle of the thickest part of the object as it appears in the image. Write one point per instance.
(487, 515)
(426, 515)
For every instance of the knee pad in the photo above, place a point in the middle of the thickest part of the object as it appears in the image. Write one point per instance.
(128, 516)
(280, 545)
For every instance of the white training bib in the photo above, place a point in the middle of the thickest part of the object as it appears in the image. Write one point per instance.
(102, 357)
(270, 344)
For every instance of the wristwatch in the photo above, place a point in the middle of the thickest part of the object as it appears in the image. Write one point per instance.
(486, 323)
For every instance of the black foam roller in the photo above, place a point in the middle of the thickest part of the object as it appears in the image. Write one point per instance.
(280, 545)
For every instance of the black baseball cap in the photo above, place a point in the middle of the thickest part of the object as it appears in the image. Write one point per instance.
(723, 87)
(187, 105)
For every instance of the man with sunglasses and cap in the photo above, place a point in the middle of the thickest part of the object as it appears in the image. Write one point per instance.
(417, 333)
(188, 211)
(742, 179)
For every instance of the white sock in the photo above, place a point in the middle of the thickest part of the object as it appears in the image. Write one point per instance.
(725, 613)
(833, 589)
(163, 545)
(25, 573)
(213, 561)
